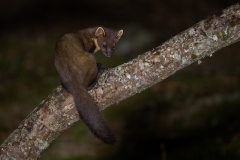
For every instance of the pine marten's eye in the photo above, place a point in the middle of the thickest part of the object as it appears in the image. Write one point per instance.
(113, 47)
(104, 45)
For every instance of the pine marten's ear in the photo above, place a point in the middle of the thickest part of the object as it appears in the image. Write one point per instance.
(119, 33)
(100, 32)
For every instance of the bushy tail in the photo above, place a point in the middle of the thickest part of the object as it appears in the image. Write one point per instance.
(90, 114)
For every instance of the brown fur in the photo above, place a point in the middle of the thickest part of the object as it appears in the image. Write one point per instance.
(78, 70)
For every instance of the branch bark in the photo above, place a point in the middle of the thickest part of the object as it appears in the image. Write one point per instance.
(57, 112)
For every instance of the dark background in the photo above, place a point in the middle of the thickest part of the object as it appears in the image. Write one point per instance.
(193, 114)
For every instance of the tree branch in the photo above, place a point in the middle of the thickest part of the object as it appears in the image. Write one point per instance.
(57, 113)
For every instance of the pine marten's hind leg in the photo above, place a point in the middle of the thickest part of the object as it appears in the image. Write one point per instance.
(100, 71)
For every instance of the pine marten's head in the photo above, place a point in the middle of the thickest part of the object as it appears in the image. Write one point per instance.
(107, 40)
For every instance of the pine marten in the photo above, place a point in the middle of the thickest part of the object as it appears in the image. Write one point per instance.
(79, 71)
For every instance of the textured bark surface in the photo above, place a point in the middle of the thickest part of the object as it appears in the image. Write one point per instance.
(57, 113)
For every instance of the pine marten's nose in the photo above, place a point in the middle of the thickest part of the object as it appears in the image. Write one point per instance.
(109, 53)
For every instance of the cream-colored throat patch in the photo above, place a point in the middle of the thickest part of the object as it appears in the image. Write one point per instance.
(96, 45)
